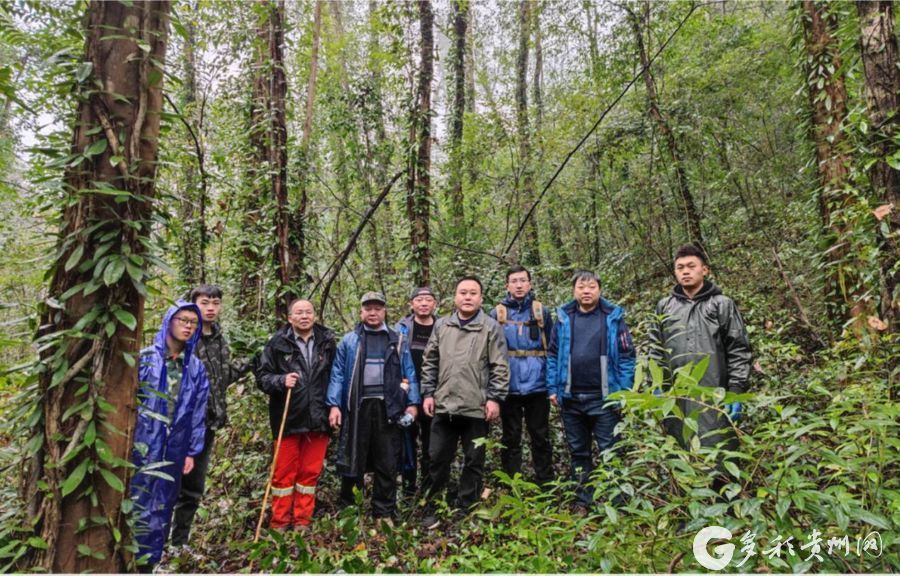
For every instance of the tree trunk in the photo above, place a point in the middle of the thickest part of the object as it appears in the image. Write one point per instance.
(92, 334)
(828, 102)
(593, 50)
(537, 91)
(530, 250)
(191, 264)
(878, 46)
(253, 264)
(286, 257)
(298, 222)
(470, 89)
(418, 203)
(458, 110)
(691, 215)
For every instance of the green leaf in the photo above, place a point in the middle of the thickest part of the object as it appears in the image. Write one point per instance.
(38, 543)
(72, 291)
(114, 481)
(699, 369)
(98, 147)
(656, 373)
(85, 550)
(90, 434)
(113, 272)
(75, 478)
(114, 160)
(104, 451)
(154, 77)
(126, 318)
(873, 519)
(83, 71)
(134, 271)
(74, 257)
(781, 506)
(611, 513)
(732, 467)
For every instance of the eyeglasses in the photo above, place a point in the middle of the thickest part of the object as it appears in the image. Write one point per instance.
(186, 322)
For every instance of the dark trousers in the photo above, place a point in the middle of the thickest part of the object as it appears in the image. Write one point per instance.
(713, 429)
(446, 433)
(535, 410)
(585, 419)
(378, 450)
(193, 486)
(411, 457)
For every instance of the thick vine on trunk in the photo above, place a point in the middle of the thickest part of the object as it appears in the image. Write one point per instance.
(93, 320)
(878, 46)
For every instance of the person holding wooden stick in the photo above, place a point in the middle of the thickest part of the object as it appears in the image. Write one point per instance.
(297, 359)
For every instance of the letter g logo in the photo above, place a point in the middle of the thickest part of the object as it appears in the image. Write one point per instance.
(724, 552)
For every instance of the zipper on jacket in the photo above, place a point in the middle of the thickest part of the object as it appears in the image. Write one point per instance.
(353, 376)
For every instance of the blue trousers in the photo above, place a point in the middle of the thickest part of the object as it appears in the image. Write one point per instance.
(585, 419)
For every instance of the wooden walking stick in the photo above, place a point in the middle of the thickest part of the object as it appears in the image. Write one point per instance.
(262, 511)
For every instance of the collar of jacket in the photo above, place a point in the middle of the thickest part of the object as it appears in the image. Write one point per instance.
(284, 340)
(410, 318)
(708, 291)
(608, 308)
(361, 330)
(476, 323)
(216, 332)
(514, 304)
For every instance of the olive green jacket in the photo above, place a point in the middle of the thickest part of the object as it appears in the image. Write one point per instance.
(465, 366)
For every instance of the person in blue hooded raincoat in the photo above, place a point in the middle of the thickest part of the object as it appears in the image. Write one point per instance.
(171, 425)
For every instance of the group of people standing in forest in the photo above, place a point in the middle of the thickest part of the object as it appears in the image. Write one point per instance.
(402, 399)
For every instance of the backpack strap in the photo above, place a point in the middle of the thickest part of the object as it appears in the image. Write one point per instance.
(537, 311)
(500, 310)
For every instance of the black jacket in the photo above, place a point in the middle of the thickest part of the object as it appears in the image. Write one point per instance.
(281, 356)
(222, 371)
(708, 325)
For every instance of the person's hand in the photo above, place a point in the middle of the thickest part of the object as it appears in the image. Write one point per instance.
(553, 400)
(491, 410)
(412, 410)
(334, 417)
(428, 407)
(188, 465)
(291, 380)
(734, 411)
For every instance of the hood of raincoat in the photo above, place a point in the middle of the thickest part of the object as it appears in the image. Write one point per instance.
(159, 341)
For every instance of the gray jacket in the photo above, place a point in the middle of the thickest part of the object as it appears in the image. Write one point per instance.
(222, 371)
(465, 366)
(688, 330)
(709, 324)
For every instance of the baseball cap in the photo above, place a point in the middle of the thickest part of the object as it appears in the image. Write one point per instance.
(422, 291)
(373, 297)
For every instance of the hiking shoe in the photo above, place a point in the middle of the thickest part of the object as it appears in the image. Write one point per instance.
(430, 522)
